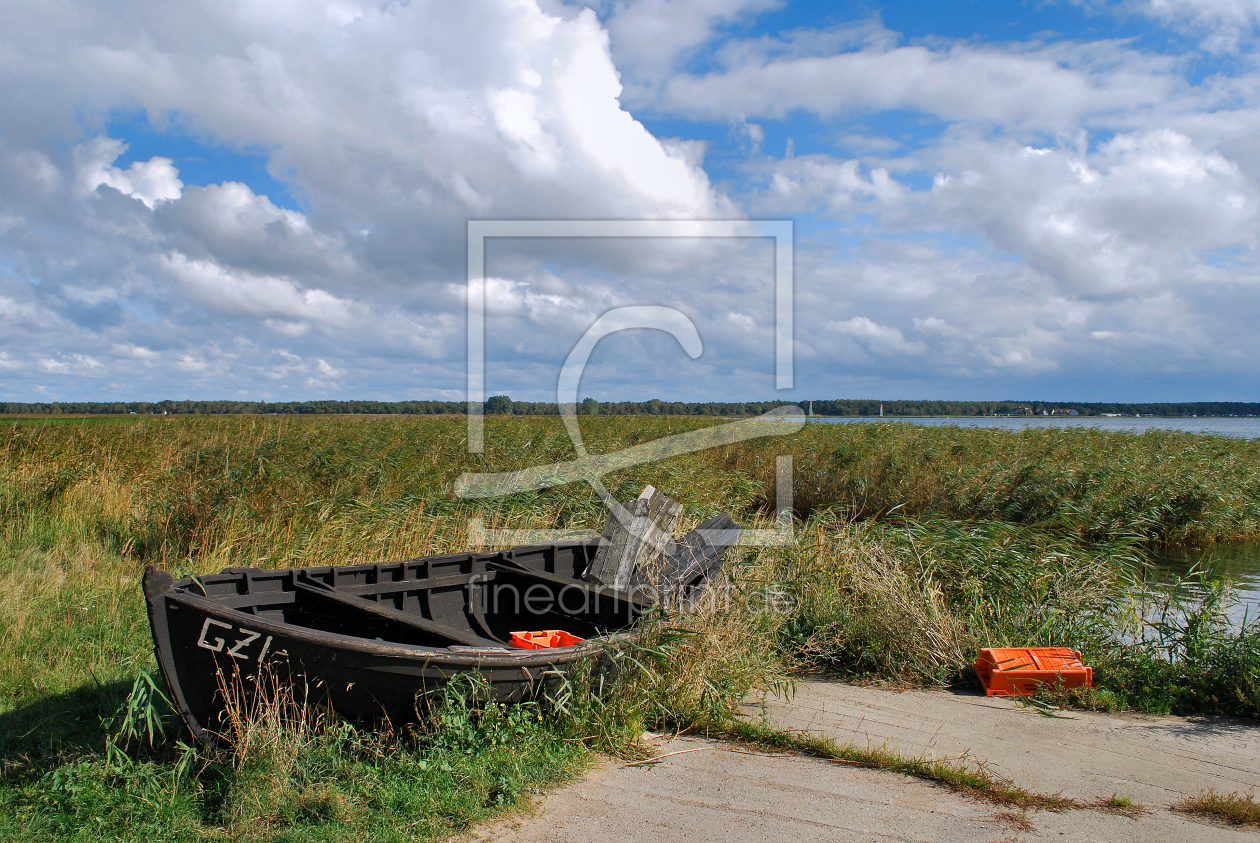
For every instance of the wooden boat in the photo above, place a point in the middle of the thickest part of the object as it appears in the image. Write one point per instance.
(368, 639)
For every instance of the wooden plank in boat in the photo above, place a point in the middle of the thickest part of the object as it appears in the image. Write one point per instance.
(634, 538)
(564, 582)
(699, 554)
(258, 598)
(316, 589)
(279, 598)
(394, 587)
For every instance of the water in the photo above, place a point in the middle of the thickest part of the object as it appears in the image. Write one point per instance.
(1239, 564)
(1241, 428)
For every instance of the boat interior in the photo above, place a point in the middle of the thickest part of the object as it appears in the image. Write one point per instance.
(466, 600)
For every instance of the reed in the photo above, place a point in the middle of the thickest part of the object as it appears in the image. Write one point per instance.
(283, 490)
(294, 773)
(913, 604)
(1159, 487)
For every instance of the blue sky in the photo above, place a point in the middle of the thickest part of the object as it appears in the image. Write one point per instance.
(198, 156)
(1053, 200)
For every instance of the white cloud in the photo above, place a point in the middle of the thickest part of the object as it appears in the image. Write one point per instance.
(934, 325)
(996, 242)
(135, 352)
(652, 38)
(77, 364)
(797, 183)
(1136, 215)
(542, 298)
(152, 181)
(878, 339)
(393, 124)
(242, 293)
(189, 363)
(1222, 24)
(231, 211)
(1052, 86)
(394, 113)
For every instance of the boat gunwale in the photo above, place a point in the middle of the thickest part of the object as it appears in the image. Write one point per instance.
(473, 656)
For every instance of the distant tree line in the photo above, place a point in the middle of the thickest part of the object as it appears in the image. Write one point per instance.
(850, 407)
(504, 405)
(187, 408)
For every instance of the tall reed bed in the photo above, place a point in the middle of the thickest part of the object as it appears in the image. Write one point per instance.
(287, 490)
(1161, 487)
(914, 603)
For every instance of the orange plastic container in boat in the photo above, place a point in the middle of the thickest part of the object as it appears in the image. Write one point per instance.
(1013, 672)
(544, 639)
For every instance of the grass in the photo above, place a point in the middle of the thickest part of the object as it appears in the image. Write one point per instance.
(1233, 808)
(294, 775)
(1123, 805)
(916, 546)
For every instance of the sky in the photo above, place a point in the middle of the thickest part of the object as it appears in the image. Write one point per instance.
(1055, 200)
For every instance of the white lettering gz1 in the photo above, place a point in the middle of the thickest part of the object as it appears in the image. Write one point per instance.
(235, 650)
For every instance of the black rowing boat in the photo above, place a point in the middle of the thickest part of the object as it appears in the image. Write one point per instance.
(368, 639)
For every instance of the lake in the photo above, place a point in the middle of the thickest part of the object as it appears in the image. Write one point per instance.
(1241, 428)
(1237, 563)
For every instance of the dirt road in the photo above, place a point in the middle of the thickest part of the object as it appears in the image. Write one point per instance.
(718, 791)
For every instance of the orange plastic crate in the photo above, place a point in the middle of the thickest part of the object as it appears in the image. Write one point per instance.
(1013, 672)
(544, 639)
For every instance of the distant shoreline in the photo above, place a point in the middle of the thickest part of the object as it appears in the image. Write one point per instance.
(501, 405)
